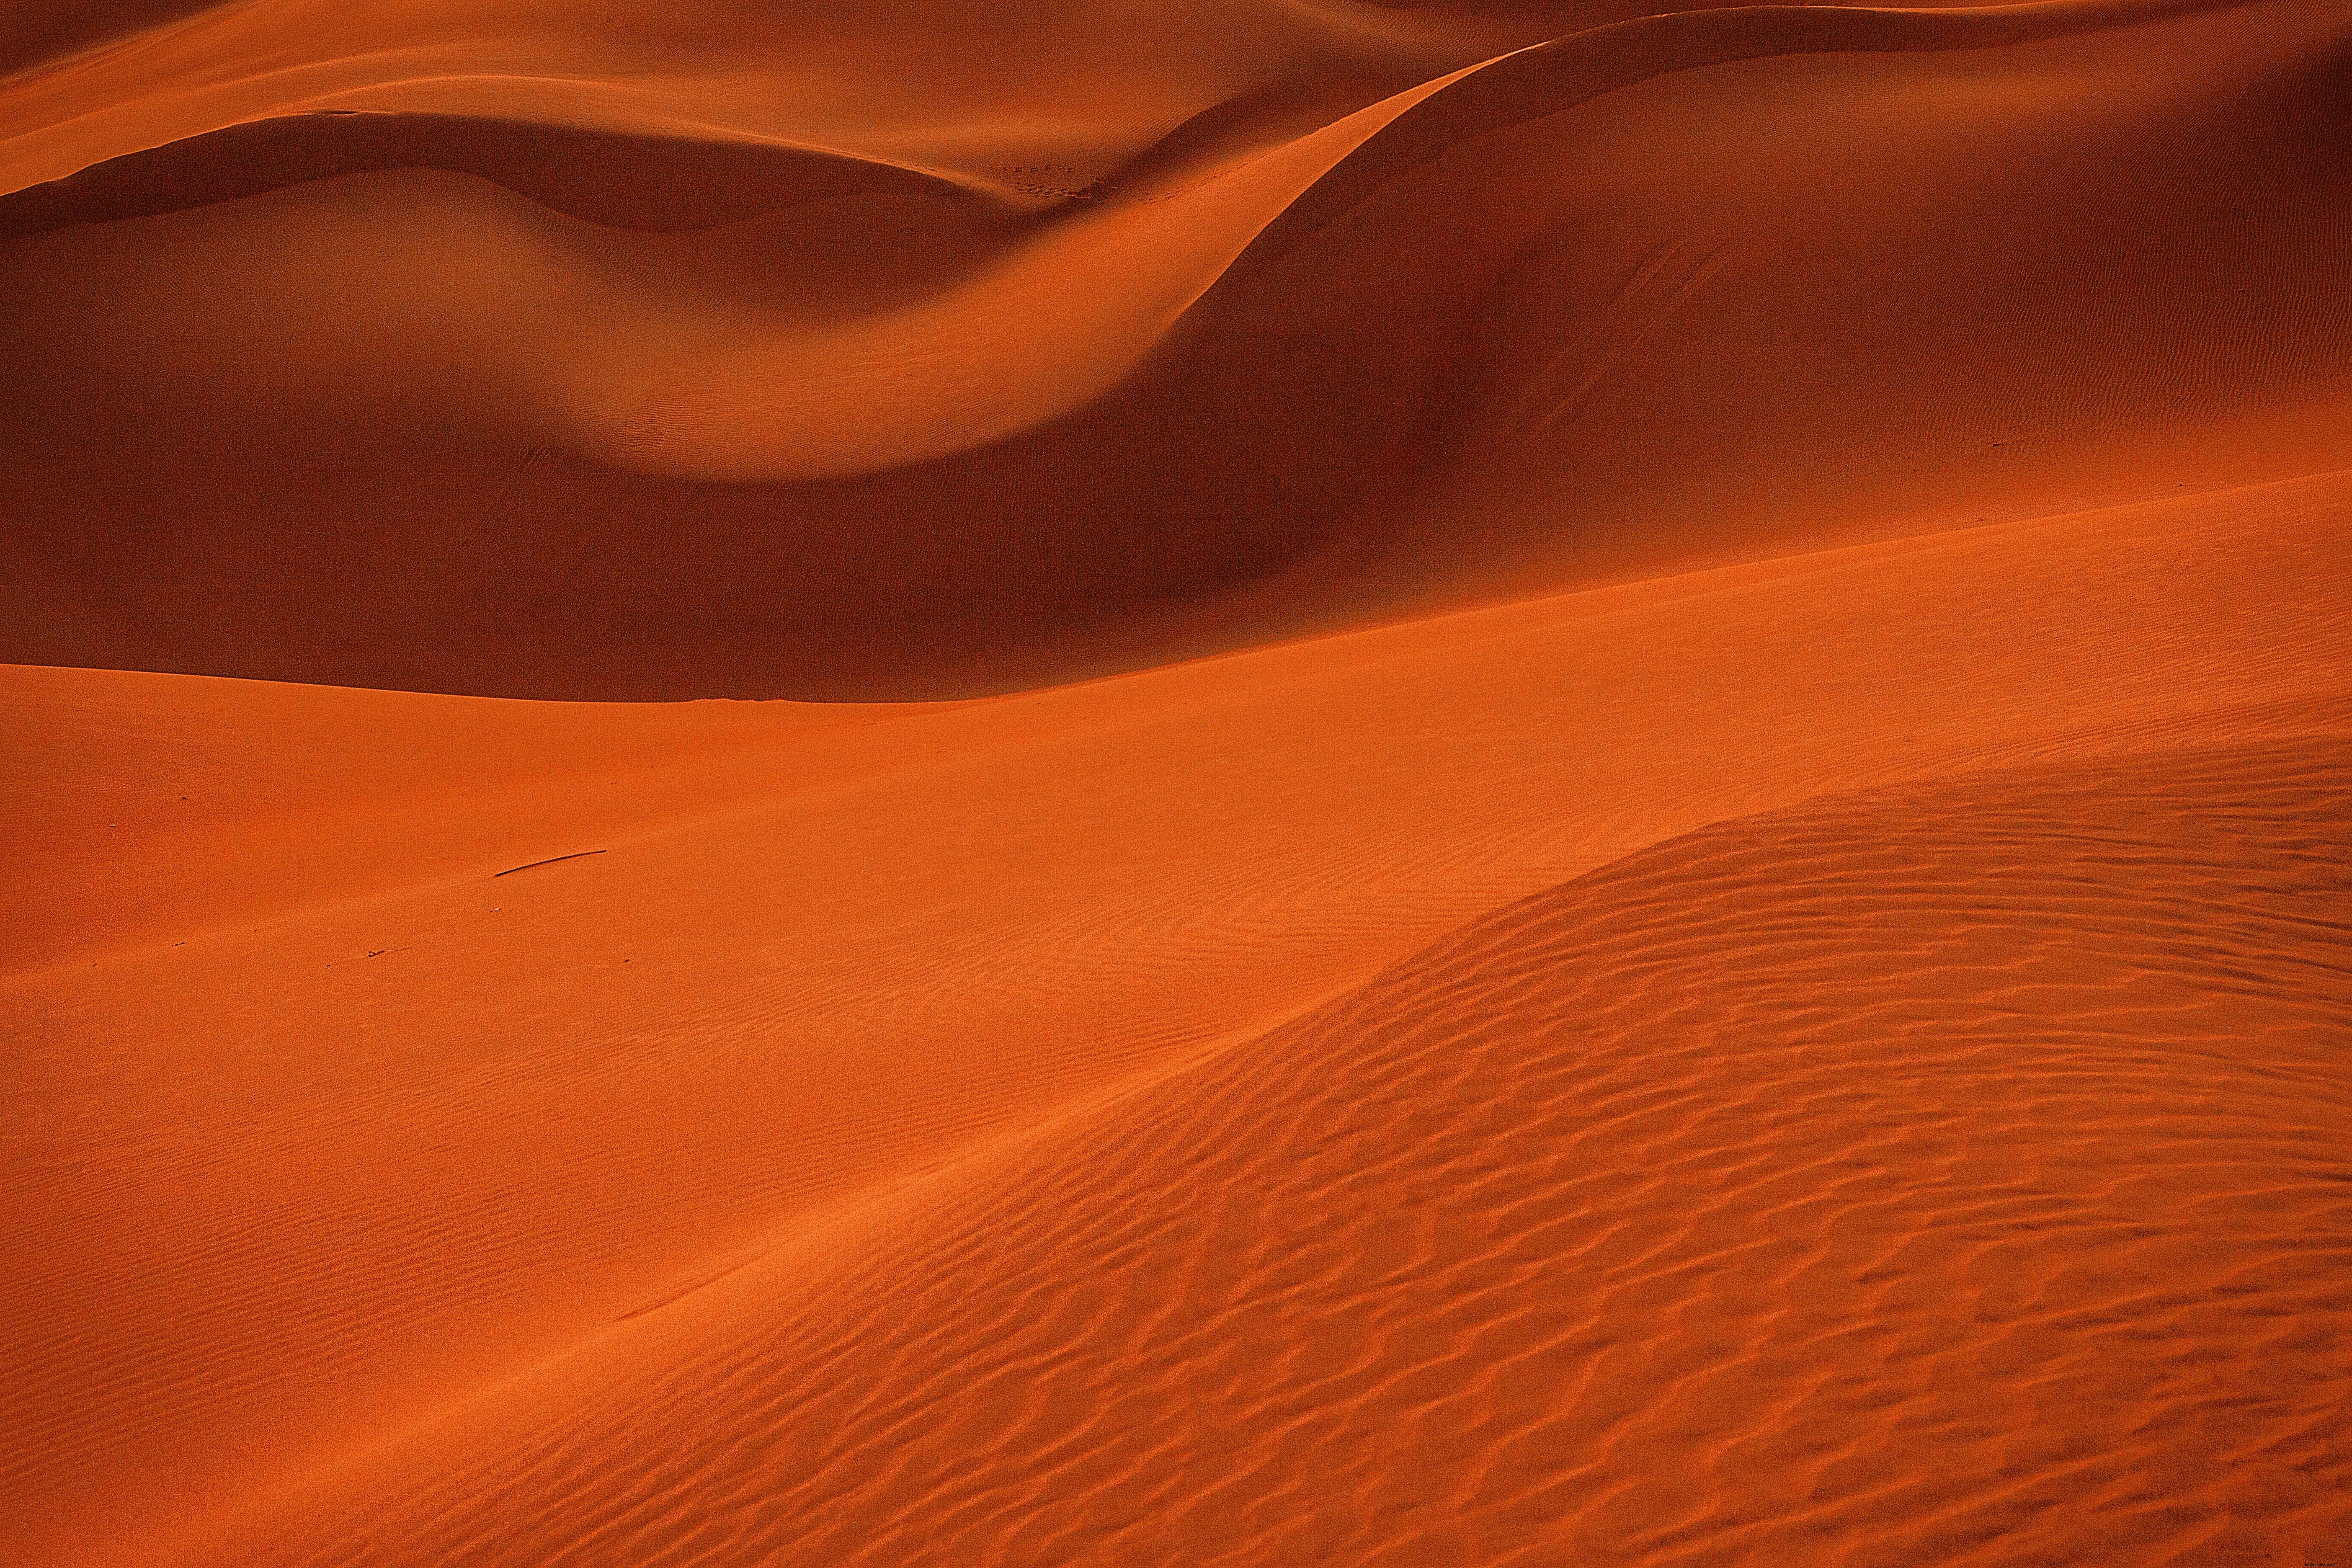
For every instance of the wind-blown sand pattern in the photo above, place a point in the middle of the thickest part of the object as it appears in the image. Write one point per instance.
(1541, 784)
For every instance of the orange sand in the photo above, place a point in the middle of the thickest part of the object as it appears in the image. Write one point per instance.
(1596, 809)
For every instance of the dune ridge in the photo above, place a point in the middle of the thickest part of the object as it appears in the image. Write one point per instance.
(1556, 76)
(1239, 397)
(664, 185)
(743, 179)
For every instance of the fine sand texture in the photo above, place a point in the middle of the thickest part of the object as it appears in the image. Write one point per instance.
(1533, 783)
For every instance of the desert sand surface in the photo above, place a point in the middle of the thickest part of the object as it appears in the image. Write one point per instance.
(1254, 782)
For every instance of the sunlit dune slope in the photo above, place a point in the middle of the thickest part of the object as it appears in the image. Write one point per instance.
(334, 1121)
(1480, 309)
(138, 805)
(1952, 1174)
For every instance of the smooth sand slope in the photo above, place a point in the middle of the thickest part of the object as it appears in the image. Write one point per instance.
(1599, 808)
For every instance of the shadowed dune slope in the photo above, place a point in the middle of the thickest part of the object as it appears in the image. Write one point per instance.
(1710, 286)
(1954, 1174)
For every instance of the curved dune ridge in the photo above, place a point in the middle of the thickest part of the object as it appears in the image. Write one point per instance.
(1568, 781)
(660, 184)
(639, 396)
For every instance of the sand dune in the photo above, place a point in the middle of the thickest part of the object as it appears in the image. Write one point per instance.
(1582, 795)
(1243, 396)
(1669, 1216)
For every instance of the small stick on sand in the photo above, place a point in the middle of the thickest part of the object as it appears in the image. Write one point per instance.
(576, 855)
